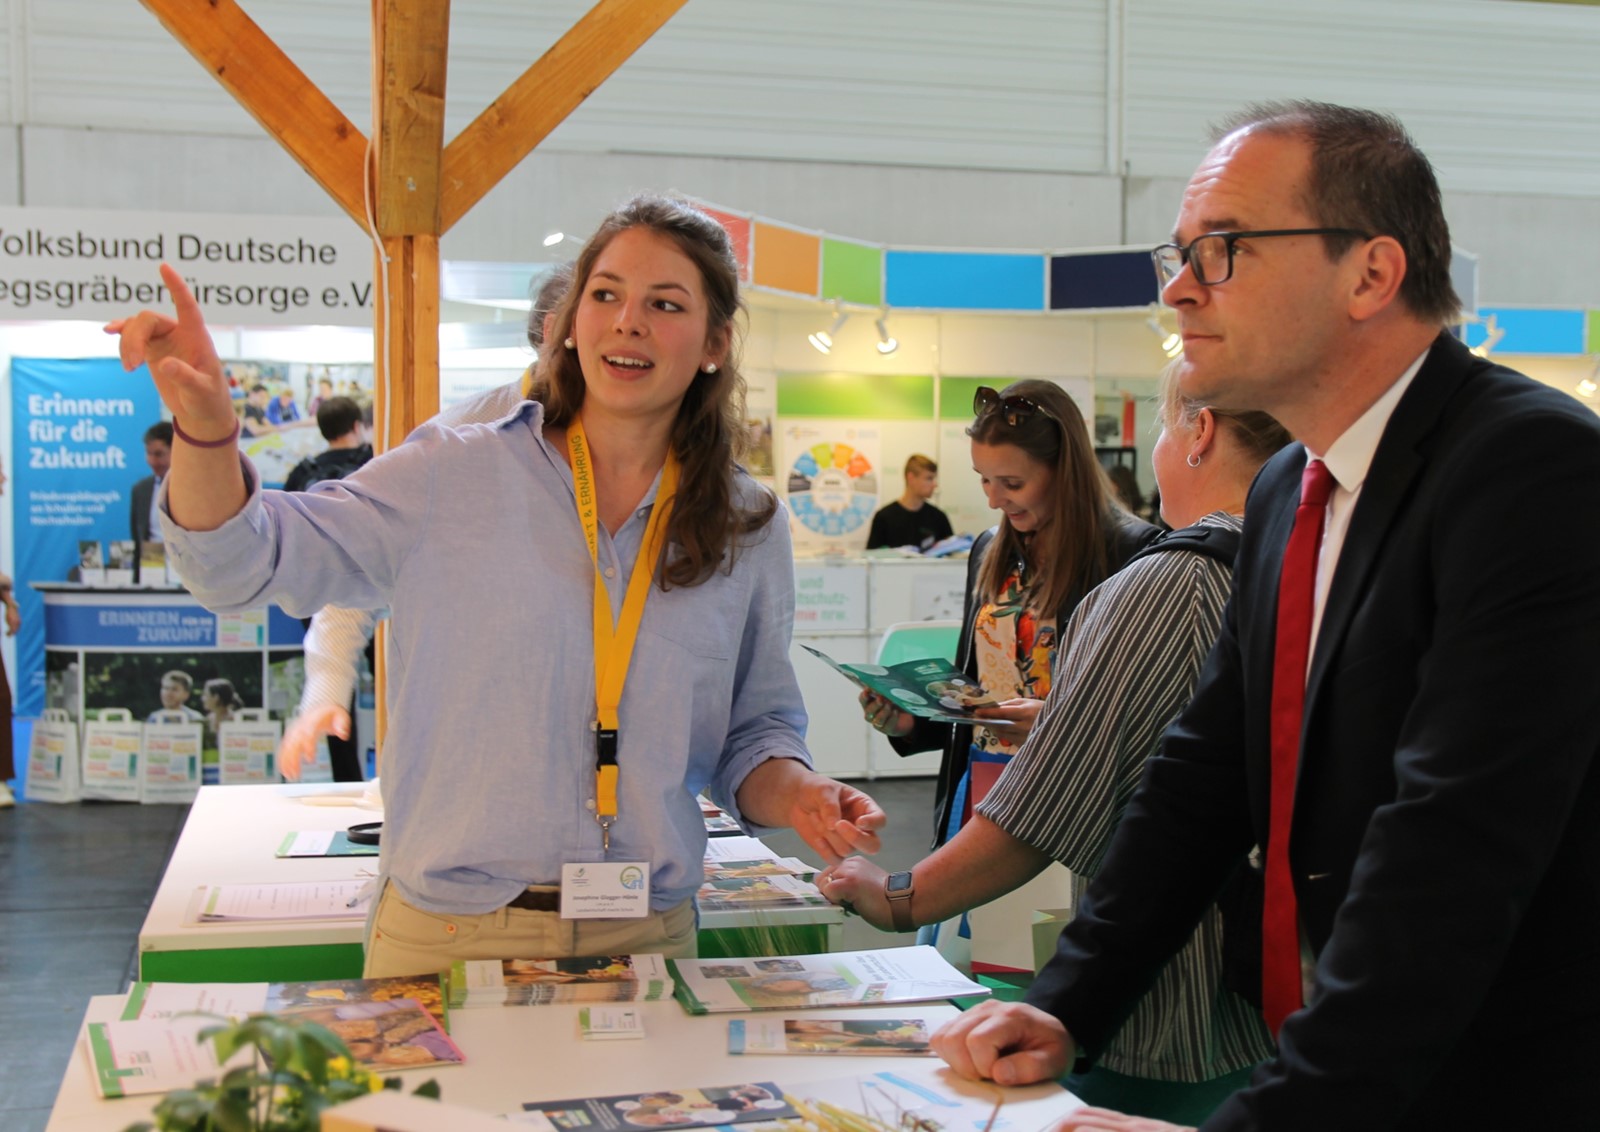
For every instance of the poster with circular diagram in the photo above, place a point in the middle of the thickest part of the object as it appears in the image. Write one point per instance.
(831, 473)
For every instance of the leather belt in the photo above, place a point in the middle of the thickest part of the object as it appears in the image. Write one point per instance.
(530, 900)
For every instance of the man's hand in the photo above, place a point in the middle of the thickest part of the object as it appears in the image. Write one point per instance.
(834, 819)
(856, 885)
(1009, 1043)
(1020, 713)
(13, 616)
(299, 742)
(182, 360)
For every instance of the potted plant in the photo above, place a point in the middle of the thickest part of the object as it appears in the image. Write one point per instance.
(299, 1068)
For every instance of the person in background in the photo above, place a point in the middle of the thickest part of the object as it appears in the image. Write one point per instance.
(1126, 487)
(338, 638)
(607, 513)
(912, 520)
(1400, 707)
(324, 391)
(1059, 536)
(143, 525)
(339, 420)
(176, 688)
(220, 700)
(282, 410)
(256, 403)
(13, 615)
(1131, 653)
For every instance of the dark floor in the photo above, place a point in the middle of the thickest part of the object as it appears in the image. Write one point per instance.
(75, 881)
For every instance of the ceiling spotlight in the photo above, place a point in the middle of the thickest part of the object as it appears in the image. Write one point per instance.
(554, 238)
(1171, 341)
(822, 340)
(1492, 333)
(887, 343)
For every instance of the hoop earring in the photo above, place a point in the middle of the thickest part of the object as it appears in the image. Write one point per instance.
(569, 344)
(1193, 461)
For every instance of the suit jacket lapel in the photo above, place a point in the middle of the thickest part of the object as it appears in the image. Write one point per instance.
(1395, 466)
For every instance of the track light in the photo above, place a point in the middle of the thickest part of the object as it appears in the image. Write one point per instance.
(887, 343)
(554, 238)
(1171, 341)
(822, 340)
(1492, 333)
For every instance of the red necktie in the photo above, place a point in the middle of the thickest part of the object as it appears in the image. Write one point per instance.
(1280, 920)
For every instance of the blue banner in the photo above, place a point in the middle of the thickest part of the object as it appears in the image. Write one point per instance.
(77, 438)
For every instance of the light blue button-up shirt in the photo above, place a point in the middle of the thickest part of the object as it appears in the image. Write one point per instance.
(472, 537)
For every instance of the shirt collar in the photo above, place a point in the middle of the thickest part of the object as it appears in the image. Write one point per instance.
(1350, 457)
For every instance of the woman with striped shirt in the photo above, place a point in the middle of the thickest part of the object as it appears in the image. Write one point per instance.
(1132, 651)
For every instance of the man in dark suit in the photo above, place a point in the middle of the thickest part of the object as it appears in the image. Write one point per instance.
(158, 454)
(1442, 862)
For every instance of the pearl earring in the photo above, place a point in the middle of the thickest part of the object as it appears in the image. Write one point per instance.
(1193, 460)
(569, 343)
(710, 368)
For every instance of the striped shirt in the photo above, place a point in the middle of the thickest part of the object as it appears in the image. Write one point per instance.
(1130, 656)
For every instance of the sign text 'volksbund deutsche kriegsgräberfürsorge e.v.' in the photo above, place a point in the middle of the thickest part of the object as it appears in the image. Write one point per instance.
(245, 270)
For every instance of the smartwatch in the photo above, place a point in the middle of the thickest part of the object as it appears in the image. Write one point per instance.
(897, 888)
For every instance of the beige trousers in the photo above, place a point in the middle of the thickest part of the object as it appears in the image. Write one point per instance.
(402, 940)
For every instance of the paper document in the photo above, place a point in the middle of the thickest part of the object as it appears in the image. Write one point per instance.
(838, 978)
(312, 900)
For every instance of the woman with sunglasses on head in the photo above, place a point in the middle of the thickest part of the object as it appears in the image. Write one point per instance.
(1134, 649)
(1060, 535)
(591, 605)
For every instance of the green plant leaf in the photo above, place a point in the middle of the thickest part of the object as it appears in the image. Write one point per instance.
(429, 1089)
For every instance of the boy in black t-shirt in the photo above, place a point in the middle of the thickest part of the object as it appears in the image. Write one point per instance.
(911, 520)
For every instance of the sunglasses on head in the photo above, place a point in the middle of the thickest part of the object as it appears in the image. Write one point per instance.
(1015, 408)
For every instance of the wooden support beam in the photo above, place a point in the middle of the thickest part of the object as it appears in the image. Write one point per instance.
(277, 93)
(538, 102)
(408, 325)
(412, 50)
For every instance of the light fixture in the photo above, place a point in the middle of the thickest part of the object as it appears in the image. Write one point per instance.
(1492, 333)
(1171, 341)
(554, 238)
(887, 343)
(822, 340)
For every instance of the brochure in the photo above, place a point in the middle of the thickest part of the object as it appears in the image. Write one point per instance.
(754, 892)
(770, 867)
(928, 688)
(877, 1037)
(839, 978)
(323, 843)
(383, 1036)
(928, 1096)
(674, 1108)
(149, 1001)
(153, 1055)
(472, 983)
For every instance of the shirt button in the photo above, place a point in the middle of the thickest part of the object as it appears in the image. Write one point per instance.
(588, 803)
(610, 572)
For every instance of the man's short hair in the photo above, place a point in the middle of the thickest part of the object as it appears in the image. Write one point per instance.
(1367, 173)
(178, 676)
(337, 416)
(259, 388)
(920, 463)
(162, 431)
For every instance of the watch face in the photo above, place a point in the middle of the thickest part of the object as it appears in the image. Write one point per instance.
(898, 882)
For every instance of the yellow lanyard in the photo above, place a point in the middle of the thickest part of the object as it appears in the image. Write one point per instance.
(613, 644)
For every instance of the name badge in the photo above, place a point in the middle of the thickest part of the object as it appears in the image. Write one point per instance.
(605, 890)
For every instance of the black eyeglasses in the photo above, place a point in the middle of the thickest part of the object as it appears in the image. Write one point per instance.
(1210, 256)
(1015, 407)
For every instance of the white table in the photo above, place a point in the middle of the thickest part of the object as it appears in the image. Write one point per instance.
(231, 836)
(518, 1054)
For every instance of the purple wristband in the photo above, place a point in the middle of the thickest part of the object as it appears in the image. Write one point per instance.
(223, 443)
